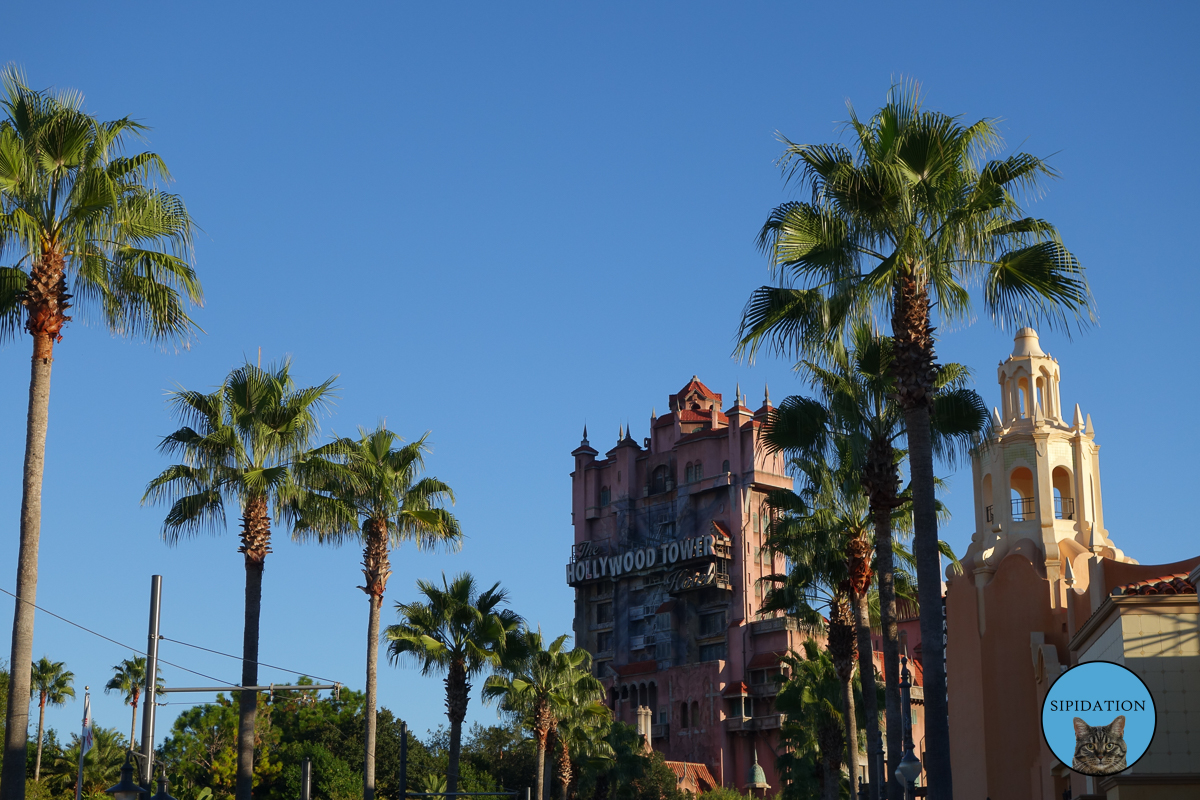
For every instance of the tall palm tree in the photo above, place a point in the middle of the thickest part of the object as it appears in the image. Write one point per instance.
(856, 412)
(76, 215)
(238, 445)
(370, 489)
(52, 684)
(540, 685)
(457, 630)
(904, 220)
(129, 677)
(581, 738)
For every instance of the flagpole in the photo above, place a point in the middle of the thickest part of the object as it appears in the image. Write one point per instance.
(83, 739)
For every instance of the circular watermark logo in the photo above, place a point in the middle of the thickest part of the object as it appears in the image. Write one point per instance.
(1098, 718)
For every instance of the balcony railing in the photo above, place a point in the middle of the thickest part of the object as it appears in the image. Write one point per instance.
(1064, 508)
(1023, 508)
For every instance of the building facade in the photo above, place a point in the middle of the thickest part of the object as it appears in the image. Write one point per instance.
(1043, 587)
(666, 565)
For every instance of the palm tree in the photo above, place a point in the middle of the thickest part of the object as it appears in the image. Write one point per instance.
(540, 685)
(76, 214)
(856, 411)
(371, 490)
(814, 728)
(581, 736)
(52, 684)
(457, 630)
(101, 766)
(238, 445)
(129, 678)
(905, 219)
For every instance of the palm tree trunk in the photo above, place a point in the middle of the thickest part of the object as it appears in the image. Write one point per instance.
(866, 672)
(885, 563)
(369, 712)
(37, 765)
(564, 769)
(256, 543)
(914, 369)
(541, 761)
(20, 660)
(929, 594)
(376, 570)
(458, 694)
(133, 725)
(851, 730)
(832, 779)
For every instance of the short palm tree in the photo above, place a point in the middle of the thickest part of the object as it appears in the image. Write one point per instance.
(51, 684)
(903, 221)
(540, 684)
(76, 215)
(238, 445)
(855, 412)
(129, 678)
(101, 765)
(457, 630)
(581, 739)
(371, 490)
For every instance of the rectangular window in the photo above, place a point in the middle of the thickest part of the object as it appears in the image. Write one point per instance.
(604, 641)
(662, 622)
(712, 624)
(757, 676)
(637, 627)
(600, 668)
(604, 613)
(712, 652)
(662, 649)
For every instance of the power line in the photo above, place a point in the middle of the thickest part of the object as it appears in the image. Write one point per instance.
(114, 641)
(239, 658)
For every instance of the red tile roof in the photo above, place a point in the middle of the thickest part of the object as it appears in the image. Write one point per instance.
(765, 660)
(719, 527)
(735, 689)
(687, 415)
(699, 773)
(636, 668)
(1166, 584)
(700, 387)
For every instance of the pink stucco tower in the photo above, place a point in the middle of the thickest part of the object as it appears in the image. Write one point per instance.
(666, 566)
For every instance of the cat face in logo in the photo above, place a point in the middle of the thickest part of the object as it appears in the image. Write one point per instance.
(1099, 750)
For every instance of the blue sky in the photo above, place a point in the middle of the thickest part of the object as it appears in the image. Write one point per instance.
(498, 221)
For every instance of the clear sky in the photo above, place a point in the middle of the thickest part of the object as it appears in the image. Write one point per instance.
(498, 221)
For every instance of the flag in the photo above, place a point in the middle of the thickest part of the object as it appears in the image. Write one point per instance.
(86, 740)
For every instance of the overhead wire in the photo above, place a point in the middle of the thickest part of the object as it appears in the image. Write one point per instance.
(140, 652)
(239, 658)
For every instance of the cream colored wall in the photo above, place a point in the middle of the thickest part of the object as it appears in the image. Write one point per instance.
(1109, 646)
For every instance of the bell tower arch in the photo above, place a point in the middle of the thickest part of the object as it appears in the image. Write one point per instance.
(1037, 478)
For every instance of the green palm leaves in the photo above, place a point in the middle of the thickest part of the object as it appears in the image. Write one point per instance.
(540, 683)
(51, 684)
(129, 678)
(457, 630)
(77, 213)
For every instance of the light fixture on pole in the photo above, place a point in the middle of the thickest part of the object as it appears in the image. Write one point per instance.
(162, 786)
(909, 768)
(126, 789)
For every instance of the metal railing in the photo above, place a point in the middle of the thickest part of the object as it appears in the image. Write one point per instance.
(1064, 508)
(1023, 508)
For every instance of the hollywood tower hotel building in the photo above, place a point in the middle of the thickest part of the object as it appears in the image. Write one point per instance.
(666, 562)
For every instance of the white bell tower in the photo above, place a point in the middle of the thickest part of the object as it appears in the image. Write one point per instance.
(1037, 480)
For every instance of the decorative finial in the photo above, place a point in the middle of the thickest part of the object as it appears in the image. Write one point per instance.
(620, 432)
(766, 394)
(1093, 540)
(1077, 424)
(653, 413)
(737, 394)
(1068, 573)
(585, 433)
(999, 423)
(1089, 430)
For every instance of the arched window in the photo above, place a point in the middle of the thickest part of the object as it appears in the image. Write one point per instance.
(725, 465)
(1064, 500)
(659, 482)
(605, 495)
(698, 471)
(1023, 507)
(683, 715)
(687, 473)
(695, 714)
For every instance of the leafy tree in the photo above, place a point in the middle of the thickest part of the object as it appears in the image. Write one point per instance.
(51, 684)
(538, 682)
(101, 765)
(902, 221)
(238, 444)
(855, 414)
(371, 490)
(457, 630)
(76, 214)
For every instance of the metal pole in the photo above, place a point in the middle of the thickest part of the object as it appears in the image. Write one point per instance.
(150, 703)
(403, 760)
(306, 779)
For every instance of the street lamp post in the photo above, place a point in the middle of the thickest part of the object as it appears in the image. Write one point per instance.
(126, 789)
(909, 768)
